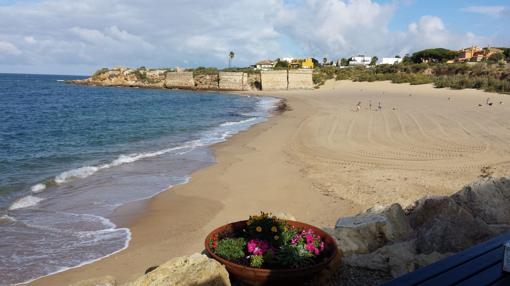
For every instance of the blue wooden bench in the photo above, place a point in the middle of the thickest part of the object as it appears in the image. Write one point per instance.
(479, 265)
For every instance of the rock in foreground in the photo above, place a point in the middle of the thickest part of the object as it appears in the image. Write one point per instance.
(196, 269)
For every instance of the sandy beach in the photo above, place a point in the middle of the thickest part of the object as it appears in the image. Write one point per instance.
(317, 162)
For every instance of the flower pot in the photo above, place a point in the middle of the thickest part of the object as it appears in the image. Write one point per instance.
(261, 276)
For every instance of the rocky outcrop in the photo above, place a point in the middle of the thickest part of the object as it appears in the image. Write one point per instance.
(121, 76)
(445, 226)
(371, 230)
(397, 241)
(196, 269)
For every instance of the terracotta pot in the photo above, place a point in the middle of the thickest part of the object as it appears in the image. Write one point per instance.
(260, 276)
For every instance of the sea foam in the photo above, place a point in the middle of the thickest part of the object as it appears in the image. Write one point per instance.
(25, 202)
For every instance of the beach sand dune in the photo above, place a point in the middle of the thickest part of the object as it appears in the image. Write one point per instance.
(319, 161)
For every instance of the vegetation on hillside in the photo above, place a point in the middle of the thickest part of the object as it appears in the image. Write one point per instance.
(485, 76)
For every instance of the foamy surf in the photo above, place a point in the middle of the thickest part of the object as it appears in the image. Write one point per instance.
(98, 189)
(25, 202)
(38, 188)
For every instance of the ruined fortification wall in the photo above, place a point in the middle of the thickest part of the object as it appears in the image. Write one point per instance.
(300, 79)
(179, 80)
(265, 80)
(274, 80)
(233, 81)
(207, 81)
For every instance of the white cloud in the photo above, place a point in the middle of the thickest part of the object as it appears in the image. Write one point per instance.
(7, 48)
(88, 34)
(487, 10)
(30, 40)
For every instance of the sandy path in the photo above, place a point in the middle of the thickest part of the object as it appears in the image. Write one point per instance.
(320, 161)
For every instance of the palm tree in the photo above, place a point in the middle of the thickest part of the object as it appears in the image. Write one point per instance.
(231, 56)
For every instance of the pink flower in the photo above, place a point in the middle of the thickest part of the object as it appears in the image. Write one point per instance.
(310, 247)
(309, 238)
(257, 246)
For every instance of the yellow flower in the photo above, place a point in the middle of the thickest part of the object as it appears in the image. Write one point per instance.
(274, 229)
(258, 229)
(276, 237)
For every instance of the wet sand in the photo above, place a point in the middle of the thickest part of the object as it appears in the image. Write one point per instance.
(318, 162)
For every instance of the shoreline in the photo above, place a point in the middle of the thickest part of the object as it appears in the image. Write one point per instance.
(124, 215)
(283, 165)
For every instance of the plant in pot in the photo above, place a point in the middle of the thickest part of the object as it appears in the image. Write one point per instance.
(267, 250)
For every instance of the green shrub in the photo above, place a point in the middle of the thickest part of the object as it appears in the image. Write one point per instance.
(100, 72)
(294, 257)
(205, 71)
(256, 261)
(231, 248)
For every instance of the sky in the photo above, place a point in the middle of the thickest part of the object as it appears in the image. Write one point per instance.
(78, 37)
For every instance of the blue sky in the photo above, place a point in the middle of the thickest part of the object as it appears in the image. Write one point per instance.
(78, 37)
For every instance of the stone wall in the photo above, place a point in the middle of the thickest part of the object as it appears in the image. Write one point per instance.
(179, 80)
(266, 80)
(300, 79)
(207, 81)
(233, 81)
(274, 80)
(254, 81)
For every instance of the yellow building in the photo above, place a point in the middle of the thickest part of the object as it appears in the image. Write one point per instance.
(307, 64)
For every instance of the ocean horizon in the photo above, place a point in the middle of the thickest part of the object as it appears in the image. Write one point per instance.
(70, 155)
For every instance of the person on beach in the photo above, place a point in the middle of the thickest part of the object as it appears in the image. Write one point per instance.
(379, 107)
(358, 106)
(370, 105)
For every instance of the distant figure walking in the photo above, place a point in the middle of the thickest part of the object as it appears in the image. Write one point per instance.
(370, 105)
(488, 101)
(358, 106)
(379, 107)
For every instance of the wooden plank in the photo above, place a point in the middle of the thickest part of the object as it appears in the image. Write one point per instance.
(467, 269)
(427, 272)
(486, 277)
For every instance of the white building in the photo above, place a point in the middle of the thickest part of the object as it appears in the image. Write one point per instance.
(360, 60)
(265, 65)
(391, 61)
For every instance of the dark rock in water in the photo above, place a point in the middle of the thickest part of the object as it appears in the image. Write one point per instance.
(487, 199)
(150, 269)
(444, 226)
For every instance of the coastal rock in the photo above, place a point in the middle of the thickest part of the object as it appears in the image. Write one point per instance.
(196, 269)
(371, 230)
(443, 225)
(101, 281)
(488, 199)
(397, 259)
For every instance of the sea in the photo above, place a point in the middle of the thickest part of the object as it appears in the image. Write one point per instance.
(71, 155)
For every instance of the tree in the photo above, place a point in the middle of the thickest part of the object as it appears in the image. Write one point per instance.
(324, 61)
(374, 60)
(438, 55)
(281, 64)
(496, 57)
(344, 62)
(231, 56)
(397, 57)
